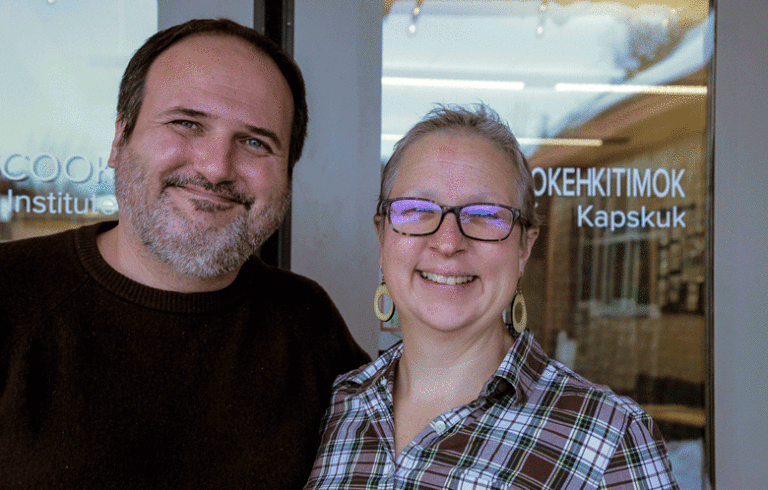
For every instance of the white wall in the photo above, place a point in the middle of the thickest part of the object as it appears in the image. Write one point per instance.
(337, 43)
(172, 12)
(741, 245)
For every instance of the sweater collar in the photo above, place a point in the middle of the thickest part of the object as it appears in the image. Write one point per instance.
(158, 299)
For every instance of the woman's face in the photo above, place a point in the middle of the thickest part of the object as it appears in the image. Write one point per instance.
(446, 281)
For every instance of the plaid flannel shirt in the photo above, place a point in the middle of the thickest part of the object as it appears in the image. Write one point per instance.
(536, 425)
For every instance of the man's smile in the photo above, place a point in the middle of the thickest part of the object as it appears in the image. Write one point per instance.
(224, 194)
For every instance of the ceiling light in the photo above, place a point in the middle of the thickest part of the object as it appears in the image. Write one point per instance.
(393, 138)
(560, 141)
(451, 83)
(634, 89)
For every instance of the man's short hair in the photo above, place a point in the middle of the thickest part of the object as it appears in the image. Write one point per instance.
(134, 79)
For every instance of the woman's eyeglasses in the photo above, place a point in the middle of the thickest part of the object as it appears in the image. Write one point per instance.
(482, 221)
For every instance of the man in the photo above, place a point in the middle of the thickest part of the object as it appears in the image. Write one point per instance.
(158, 352)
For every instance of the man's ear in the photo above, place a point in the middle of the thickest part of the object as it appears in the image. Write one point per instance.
(113, 152)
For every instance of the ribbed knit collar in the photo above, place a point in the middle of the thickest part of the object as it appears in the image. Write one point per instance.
(158, 299)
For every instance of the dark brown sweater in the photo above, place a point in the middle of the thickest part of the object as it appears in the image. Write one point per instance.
(105, 383)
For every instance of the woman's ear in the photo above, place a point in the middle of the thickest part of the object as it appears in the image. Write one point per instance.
(377, 223)
(528, 239)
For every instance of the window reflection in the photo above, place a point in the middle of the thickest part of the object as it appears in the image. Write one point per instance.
(62, 63)
(609, 101)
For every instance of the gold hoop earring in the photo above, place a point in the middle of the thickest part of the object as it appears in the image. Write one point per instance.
(382, 290)
(509, 316)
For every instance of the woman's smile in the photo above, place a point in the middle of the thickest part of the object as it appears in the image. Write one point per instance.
(448, 279)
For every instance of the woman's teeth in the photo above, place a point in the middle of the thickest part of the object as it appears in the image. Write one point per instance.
(450, 280)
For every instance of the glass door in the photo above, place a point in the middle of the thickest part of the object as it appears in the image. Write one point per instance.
(609, 101)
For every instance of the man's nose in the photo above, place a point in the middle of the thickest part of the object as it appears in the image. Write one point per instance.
(215, 159)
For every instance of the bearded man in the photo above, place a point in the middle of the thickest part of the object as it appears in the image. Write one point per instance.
(159, 351)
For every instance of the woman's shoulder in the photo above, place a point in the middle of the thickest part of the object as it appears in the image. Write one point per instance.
(360, 379)
(572, 392)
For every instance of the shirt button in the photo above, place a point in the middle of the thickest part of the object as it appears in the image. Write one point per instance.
(440, 426)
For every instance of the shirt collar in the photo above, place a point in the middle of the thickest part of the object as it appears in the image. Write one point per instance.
(380, 370)
(519, 372)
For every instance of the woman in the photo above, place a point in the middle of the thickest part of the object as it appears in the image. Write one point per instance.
(469, 399)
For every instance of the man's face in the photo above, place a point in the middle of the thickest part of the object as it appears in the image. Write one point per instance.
(203, 179)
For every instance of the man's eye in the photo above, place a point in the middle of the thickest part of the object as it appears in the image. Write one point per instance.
(187, 124)
(257, 144)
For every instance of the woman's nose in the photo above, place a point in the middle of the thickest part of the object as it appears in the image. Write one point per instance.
(448, 239)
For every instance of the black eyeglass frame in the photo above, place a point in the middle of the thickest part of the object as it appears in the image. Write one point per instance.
(385, 206)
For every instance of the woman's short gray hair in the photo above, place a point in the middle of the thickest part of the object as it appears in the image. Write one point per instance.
(482, 121)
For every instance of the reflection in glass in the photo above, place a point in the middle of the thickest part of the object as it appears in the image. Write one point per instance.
(608, 100)
(62, 63)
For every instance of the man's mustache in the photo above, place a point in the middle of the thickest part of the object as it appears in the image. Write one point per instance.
(226, 190)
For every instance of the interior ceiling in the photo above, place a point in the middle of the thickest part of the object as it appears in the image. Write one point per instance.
(627, 125)
(634, 126)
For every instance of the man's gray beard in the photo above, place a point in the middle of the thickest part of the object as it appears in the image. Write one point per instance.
(189, 247)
